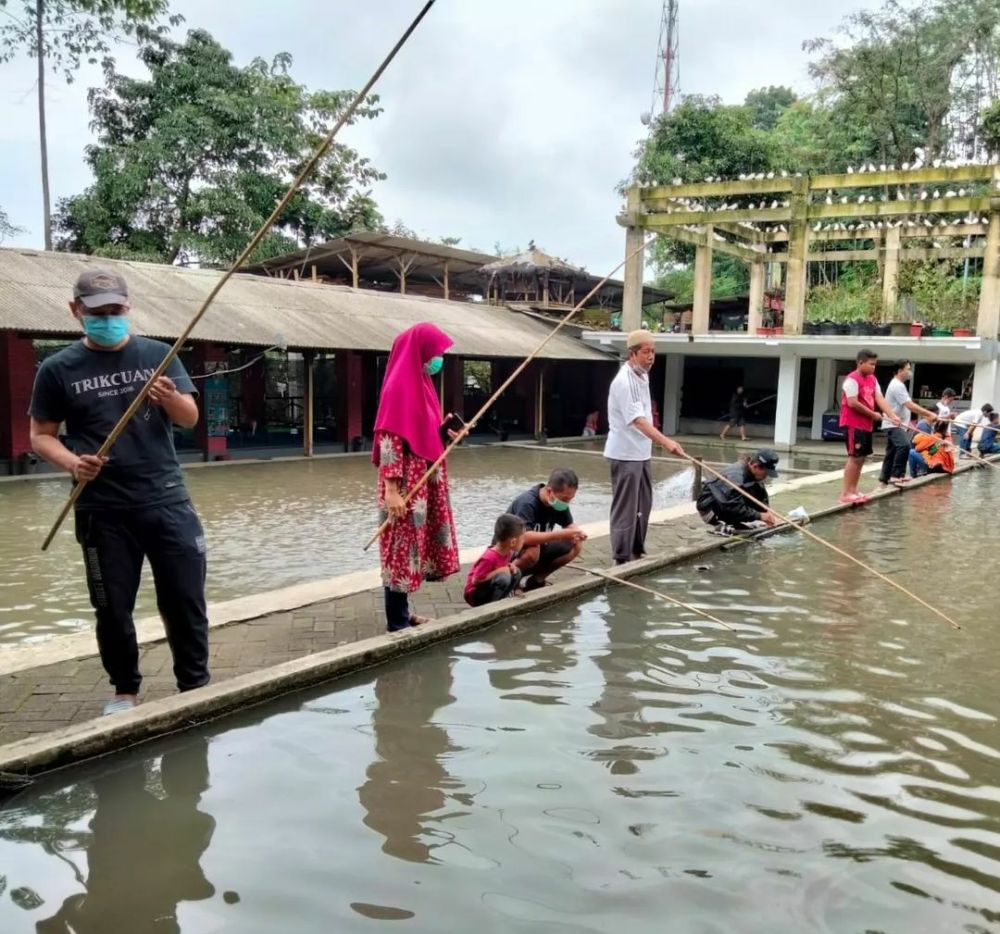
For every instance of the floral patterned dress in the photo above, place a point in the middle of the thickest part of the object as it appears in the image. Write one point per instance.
(422, 546)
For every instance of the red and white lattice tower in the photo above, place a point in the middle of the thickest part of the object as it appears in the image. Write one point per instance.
(666, 79)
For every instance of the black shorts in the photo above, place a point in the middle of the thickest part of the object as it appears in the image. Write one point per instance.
(858, 441)
(737, 421)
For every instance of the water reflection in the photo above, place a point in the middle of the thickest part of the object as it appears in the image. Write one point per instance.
(407, 785)
(831, 766)
(143, 851)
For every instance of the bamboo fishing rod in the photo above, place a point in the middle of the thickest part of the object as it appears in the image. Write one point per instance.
(307, 170)
(469, 425)
(810, 534)
(649, 590)
(750, 405)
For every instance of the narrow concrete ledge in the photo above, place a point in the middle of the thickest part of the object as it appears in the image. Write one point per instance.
(103, 735)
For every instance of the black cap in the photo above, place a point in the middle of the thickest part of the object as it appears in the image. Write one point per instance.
(767, 459)
(97, 287)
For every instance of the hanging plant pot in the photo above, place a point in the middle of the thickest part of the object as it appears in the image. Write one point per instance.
(843, 329)
(827, 328)
(961, 332)
(810, 327)
(881, 330)
(778, 329)
(765, 332)
(916, 329)
(899, 328)
(941, 332)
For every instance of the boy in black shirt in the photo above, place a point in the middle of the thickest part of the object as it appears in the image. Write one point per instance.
(551, 538)
(135, 504)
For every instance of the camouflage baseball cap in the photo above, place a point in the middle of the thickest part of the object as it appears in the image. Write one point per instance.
(97, 287)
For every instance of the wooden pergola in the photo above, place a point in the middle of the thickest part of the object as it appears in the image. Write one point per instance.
(784, 218)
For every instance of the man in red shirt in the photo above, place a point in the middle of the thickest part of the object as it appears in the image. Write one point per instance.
(860, 397)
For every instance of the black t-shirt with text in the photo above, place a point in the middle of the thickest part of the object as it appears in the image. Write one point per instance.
(90, 390)
(539, 516)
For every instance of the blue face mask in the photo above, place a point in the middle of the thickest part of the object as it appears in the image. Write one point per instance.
(106, 330)
(433, 366)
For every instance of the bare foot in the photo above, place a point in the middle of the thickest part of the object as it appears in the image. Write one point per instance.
(418, 620)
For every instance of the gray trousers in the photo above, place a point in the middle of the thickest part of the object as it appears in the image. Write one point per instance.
(631, 504)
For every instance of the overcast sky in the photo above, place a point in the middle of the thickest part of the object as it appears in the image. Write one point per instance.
(504, 122)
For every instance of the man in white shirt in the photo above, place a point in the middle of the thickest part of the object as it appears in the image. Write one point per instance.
(629, 448)
(967, 422)
(897, 438)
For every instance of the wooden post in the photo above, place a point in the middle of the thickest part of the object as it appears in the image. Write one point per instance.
(315, 277)
(890, 272)
(700, 310)
(988, 319)
(446, 289)
(403, 268)
(352, 265)
(797, 273)
(634, 265)
(308, 360)
(756, 305)
(540, 402)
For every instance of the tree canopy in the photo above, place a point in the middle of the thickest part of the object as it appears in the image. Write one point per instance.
(189, 162)
(899, 84)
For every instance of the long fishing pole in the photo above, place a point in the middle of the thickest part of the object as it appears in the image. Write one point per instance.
(766, 508)
(656, 593)
(750, 405)
(307, 170)
(471, 423)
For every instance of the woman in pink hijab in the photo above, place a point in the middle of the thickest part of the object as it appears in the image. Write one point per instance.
(420, 544)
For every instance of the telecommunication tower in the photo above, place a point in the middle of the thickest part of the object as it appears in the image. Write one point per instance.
(667, 76)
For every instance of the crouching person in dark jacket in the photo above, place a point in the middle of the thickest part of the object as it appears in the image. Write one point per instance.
(728, 510)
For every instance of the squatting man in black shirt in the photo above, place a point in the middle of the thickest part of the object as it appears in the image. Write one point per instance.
(727, 510)
(135, 504)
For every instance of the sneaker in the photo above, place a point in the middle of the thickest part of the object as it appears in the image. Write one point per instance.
(119, 705)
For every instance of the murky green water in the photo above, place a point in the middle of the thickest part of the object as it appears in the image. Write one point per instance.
(273, 525)
(613, 765)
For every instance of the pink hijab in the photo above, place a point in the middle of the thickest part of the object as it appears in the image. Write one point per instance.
(409, 406)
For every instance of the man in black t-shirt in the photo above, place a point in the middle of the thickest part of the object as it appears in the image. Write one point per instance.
(551, 538)
(135, 504)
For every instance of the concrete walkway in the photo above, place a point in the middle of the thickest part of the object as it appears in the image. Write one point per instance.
(56, 684)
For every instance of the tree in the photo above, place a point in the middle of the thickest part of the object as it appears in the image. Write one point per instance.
(189, 163)
(990, 124)
(64, 33)
(898, 72)
(766, 105)
(818, 135)
(700, 138)
(703, 137)
(7, 228)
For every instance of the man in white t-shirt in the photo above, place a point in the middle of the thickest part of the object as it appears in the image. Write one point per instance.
(629, 448)
(897, 438)
(967, 422)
